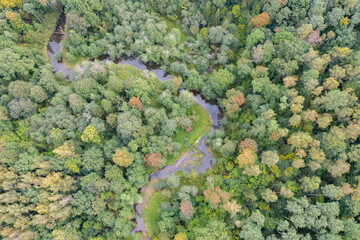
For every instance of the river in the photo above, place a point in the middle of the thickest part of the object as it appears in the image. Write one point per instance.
(181, 164)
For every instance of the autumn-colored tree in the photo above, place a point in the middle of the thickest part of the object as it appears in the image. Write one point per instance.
(269, 196)
(15, 20)
(346, 188)
(233, 101)
(153, 160)
(181, 236)
(298, 162)
(310, 115)
(270, 158)
(10, 4)
(295, 120)
(300, 140)
(356, 194)
(286, 192)
(252, 170)
(135, 102)
(186, 209)
(232, 207)
(304, 30)
(260, 20)
(317, 154)
(123, 157)
(248, 143)
(73, 164)
(65, 150)
(111, 119)
(353, 130)
(290, 81)
(236, 10)
(339, 168)
(324, 120)
(247, 157)
(215, 196)
(90, 135)
(314, 38)
(296, 104)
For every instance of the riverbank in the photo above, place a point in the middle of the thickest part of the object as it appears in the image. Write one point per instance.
(193, 155)
(189, 140)
(42, 35)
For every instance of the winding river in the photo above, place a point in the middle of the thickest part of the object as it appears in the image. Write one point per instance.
(182, 164)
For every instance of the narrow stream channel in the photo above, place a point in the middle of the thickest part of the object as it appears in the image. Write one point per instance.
(211, 107)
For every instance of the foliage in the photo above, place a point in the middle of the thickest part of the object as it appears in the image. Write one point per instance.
(123, 157)
(90, 135)
(284, 154)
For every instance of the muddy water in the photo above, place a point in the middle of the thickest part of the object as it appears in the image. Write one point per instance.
(182, 163)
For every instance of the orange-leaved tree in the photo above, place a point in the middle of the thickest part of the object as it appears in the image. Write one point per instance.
(260, 20)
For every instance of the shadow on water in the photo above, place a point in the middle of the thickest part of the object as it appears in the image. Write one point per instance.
(54, 47)
(211, 107)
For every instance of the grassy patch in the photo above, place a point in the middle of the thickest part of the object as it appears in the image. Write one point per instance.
(172, 24)
(152, 214)
(44, 32)
(71, 65)
(125, 72)
(189, 139)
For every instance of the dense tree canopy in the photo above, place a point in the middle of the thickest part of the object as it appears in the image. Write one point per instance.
(75, 150)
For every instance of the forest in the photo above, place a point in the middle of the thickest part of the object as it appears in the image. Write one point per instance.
(180, 119)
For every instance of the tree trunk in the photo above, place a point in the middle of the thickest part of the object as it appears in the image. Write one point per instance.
(38, 18)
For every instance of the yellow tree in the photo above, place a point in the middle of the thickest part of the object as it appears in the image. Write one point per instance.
(90, 135)
(247, 157)
(15, 20)
(123, 157)
(10, 4)
(181, 236)
(65, 150)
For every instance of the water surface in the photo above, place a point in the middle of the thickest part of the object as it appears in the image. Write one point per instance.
(182, 164)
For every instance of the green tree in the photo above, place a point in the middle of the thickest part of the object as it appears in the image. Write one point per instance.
(310, 184)
(256, 37)
(270, 158)
(88, 9)
(252, 226)
(215, 230)
(127, 124)
(220, 81)
(93, 159)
